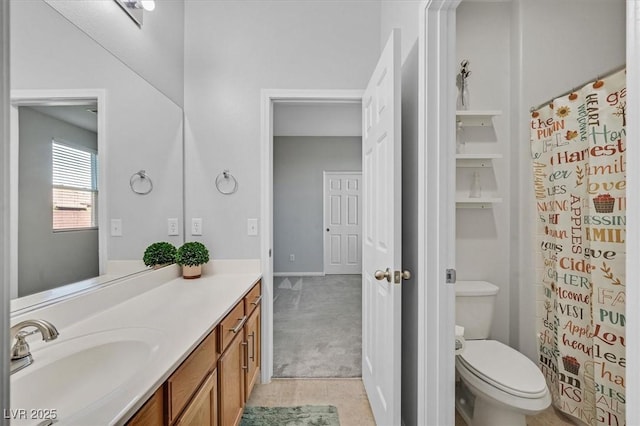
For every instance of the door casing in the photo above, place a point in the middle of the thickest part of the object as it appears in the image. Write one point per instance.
(267, 99)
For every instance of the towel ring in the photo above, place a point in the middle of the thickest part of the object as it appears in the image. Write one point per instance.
(226, 183)
(141, 176)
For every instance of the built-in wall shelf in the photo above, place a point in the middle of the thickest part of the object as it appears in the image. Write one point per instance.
(476, 203)
(476, 160)
(477, 117)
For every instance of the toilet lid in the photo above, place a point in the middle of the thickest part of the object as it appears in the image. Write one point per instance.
(503, 367)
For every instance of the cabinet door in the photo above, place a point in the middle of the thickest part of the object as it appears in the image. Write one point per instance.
(151, 413)
(231, 371)
(203, 409)
(184, 382)
(252, 337)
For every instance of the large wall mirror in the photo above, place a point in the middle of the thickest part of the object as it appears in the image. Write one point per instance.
(84, 126)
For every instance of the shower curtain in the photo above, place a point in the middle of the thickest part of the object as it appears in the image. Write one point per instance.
(579, 168)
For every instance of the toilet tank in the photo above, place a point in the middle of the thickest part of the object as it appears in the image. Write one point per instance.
(475, 301)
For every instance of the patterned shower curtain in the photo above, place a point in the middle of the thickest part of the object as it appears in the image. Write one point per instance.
(579, 175)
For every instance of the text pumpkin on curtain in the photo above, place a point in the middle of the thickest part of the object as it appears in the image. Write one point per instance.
(579, 172)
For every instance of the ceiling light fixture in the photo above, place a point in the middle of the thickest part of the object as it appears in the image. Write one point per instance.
(135, 8)
(148, 5)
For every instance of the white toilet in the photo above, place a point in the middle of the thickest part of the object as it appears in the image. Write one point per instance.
(498, 385)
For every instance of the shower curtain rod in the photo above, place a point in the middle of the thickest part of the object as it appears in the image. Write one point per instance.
(606, 74)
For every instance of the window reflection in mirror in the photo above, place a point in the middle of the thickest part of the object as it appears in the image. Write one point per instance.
(58, 193)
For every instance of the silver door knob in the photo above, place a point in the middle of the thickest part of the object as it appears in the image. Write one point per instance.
(381, 275)
(406, 274)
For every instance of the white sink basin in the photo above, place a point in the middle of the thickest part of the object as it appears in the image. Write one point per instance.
(72, 376)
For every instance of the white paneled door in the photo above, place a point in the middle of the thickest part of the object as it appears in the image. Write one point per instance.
(381, 256)
(343, 222)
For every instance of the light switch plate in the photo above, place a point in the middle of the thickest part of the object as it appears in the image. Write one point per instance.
(196, 226)
(172, 226)
(252, 227)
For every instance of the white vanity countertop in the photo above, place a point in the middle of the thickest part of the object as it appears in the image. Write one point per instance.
(180, 313)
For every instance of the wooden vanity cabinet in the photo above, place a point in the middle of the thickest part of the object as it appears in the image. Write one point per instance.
(203, 410)
(253, 337)
(239, 364)
(212, 385)
(190, 376)
(231, 367)
(151, 413)
(174, 402)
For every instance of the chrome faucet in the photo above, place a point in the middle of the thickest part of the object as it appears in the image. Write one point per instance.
(20, 352)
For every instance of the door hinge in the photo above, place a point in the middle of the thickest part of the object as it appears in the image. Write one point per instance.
(451, 276)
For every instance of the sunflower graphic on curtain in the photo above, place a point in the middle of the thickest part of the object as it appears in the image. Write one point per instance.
(579, 175)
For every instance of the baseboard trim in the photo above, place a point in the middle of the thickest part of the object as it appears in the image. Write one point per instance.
(298, 274)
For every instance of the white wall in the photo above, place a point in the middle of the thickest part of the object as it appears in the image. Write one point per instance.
(329, 119)
(155, 50)
(143, 127)
(483, 236)
(48, 259)
(298, 196)
(400, 14)
(562, 44)
(232, 51)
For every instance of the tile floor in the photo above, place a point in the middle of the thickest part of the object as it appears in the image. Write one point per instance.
(347, 395)
(350, 398)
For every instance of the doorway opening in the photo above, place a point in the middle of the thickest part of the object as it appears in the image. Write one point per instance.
(317, 245)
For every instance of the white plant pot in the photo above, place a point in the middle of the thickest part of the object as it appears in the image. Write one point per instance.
(191, 272)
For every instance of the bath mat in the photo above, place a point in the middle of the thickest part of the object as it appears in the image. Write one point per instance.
(306, 415)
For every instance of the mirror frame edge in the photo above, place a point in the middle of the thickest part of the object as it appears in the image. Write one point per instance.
(26, 97)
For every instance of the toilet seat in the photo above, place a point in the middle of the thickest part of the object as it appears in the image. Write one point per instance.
(504, 368)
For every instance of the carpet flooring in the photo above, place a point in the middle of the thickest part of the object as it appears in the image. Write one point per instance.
(317, 326)
(306, 415)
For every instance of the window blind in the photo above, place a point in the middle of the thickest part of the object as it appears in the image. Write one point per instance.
(75, 187)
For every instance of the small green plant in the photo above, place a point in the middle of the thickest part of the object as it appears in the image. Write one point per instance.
(192, 254)
(159, 253)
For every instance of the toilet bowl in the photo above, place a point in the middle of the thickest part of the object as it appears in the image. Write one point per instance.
(499, 386)
(506, 385)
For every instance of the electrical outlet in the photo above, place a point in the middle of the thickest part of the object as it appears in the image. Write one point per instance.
(252, 227)
(292, 258)
(196, 226)
(116, 227)
(172, 226)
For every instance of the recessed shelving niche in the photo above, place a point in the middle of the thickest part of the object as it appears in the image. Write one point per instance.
(477, 118)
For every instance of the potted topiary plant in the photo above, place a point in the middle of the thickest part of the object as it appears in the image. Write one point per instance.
(159, 254)
(191, 256)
